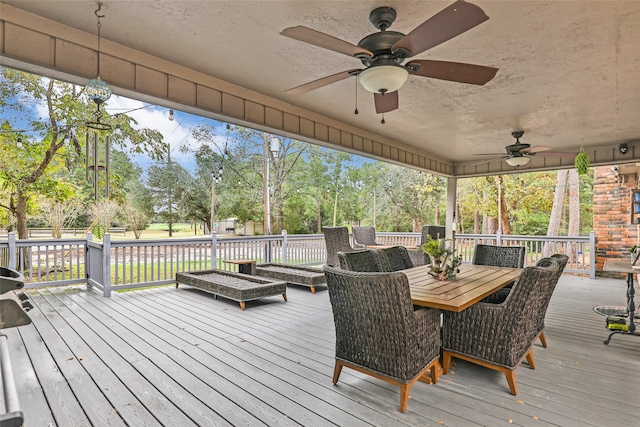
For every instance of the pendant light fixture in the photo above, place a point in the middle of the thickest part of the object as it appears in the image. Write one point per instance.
(96, 89)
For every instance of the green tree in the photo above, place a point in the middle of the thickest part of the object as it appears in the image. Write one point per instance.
(51, 142)
(167, 183)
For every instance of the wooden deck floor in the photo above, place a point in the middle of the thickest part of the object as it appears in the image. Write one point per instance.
(178, 357)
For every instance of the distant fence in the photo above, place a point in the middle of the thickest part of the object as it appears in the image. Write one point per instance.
(46, 232)
(116, 265)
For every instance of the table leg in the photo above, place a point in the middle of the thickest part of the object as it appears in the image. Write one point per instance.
(631, 309)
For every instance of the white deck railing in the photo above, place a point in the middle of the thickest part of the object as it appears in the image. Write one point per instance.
(141, 263)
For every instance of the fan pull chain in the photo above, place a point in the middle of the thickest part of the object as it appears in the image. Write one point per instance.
(356, 110)
(382, 121)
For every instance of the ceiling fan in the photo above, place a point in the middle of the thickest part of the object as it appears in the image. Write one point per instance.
(382, 53)
(519, 154)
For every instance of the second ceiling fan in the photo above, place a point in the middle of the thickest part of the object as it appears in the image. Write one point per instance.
(383, 53)
(519, 154)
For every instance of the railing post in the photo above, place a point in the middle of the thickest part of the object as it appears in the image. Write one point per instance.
(87, 259)
(12, 250)
(106, 264)
(499, 238)
(214, 244)
(592, 255)
(284, 247)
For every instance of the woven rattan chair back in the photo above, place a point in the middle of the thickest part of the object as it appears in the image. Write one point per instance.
(396, 258)
(435, 232)
(336, 240)
(377, 330)
(367, 260)
(364, 236)
(499, 336)
(499, 256)
(538, 330)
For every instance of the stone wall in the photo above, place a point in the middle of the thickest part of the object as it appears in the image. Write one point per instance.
(611, 216)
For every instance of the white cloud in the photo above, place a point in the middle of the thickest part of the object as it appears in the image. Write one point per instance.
(175, 133)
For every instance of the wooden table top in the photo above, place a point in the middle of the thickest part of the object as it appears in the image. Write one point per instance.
(473, 283)
(389, 246)
(239, 261)
(620, 266)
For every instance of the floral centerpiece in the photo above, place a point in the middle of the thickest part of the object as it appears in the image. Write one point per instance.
(444, 263)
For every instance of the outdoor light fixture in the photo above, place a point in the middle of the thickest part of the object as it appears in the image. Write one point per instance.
(518, 160)
(383, 78)
(171, 116)
(274, 145)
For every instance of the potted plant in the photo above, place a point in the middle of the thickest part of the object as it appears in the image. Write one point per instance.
(444, 263)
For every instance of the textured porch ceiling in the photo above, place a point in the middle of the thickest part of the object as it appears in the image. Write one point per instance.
(569, 71)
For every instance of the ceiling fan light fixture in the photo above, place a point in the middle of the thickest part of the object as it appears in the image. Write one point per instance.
(518, 160)
(383, 78)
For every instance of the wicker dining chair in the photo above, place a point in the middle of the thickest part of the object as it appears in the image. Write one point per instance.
(396, 258)
(562, 261)
(435, 232)
(499, 256)
(378, 332)
(498, 336)
(336, 240)
(367, 260)
(364, 236)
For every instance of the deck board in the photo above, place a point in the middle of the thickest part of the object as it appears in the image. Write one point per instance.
(171, 357)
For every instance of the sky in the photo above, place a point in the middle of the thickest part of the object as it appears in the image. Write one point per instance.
(176, 132)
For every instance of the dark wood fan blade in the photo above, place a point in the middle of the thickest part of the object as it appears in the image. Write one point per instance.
(489, 160)
(387, 102)
(535, 149)
(454, 71)
(560, 154)
(307, 87)
(445, 25)
(326, 41)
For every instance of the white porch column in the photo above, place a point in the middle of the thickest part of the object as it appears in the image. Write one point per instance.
(452, 192)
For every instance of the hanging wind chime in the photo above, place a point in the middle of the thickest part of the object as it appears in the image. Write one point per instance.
(99, 92)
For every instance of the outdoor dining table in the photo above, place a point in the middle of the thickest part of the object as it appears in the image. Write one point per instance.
(471, 284)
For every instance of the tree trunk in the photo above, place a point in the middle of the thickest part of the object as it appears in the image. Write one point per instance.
(319, 215)
(574, 212)
(504, 209)
(21, 215)
(23, 231)
(492, 225)
(335, 208)
(476, 222)
(556, 209)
